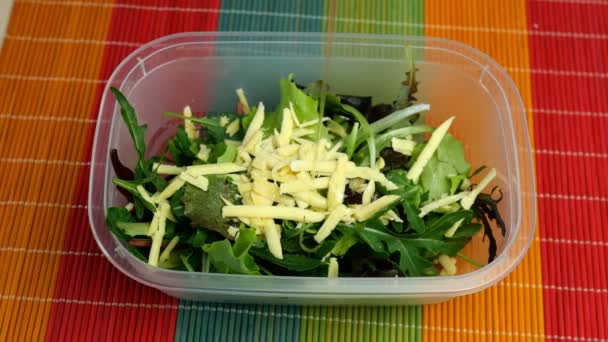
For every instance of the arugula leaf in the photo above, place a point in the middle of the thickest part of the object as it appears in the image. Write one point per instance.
(410, 248)
(204, 208)
(467, 230)
(406, 188)
(177, 205)
(136, 131)
(181, 148)
(385, 243)
(235, 259)
(292, 262)
(437, 228)
(114, 217)
(346, 241)
(198, 239)
(412, 212)
(131, 186)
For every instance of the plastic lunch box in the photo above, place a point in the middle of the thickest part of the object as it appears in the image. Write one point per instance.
(203, 69)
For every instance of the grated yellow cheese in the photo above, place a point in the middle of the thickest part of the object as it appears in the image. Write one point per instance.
(368, 193)
(273, 212)
(334, 217)
(312, 198)
(305, 185)
(200, 182)
(256, 123)
(158, 234)
(332, 270)
(441, 203)
(173, 186)
(367, 211)
(286, 129)
(273, 238)
(167, 169)
(403, 146)
(214, 169)
(144, 194)
(233, 127)
(337, 184)
(427, 152)
(189, 127)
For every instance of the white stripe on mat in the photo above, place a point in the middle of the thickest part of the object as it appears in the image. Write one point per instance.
(319, 17)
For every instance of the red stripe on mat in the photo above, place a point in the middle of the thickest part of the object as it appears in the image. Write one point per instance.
(580, 259)
(92, 298)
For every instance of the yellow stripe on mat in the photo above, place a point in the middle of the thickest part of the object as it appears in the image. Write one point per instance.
(512, 310)
(48, 90)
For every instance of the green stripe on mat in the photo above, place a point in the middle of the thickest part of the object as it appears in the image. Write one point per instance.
(395, 323)
(234, 322)
(361, 323)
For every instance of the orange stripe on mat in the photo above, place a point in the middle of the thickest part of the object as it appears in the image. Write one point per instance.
(502, 312)
(36, 197)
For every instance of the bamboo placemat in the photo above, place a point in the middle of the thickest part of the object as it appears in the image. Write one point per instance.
(55, 284)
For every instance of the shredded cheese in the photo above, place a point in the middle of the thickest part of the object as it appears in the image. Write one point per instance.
(469, 199)
(243, 100)
(331, 222)
(403, 146)
(203, 153)
(144, 194)
(189, 127)
(214, 169)
(158, 234)
(441, 203)
(233, 127)
(332, 270)
(256, 123)
(200, 182)
(273, 212)
(166, 169)
(173, 186)
(427, 152)
(367, 211)
(337, 184)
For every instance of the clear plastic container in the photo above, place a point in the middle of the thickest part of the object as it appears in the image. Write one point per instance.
(203, 70)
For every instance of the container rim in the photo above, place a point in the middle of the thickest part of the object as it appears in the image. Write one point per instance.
(478, 276)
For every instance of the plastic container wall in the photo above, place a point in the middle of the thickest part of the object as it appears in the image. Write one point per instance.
(203, 70)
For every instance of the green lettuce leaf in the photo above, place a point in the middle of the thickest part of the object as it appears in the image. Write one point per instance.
(204, 208)
(445, 170)
(235, 259)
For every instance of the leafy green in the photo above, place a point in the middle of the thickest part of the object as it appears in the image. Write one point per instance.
(204, 208)
(385, 243)
(177, 205)
(306, 108)
(445, 170)
(227, 258)
(181, 148)
(292, 262)
(229, 154)
(346, 241)
(412, 212)
(114, 217)
(451, 151)
(136, 131)
(131, 186)
(198, 239)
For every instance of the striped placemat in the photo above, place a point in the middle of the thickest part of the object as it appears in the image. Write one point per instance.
(55, 284)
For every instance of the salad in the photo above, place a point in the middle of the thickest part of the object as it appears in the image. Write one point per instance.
(321, 185)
